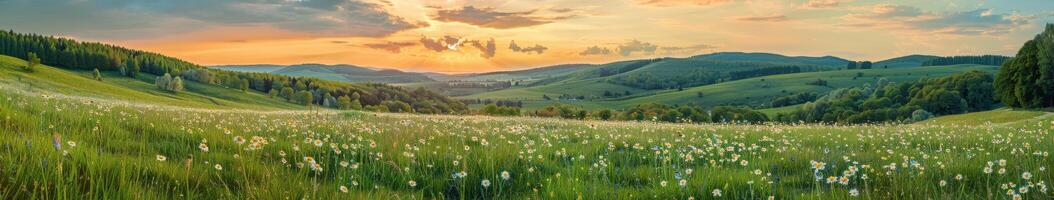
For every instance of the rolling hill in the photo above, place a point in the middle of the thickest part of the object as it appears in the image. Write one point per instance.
(752, 91)
(904, 61)
(344, 73)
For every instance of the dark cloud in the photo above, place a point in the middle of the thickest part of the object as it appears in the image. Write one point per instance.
(487, 48)
(636, 46)
(537, 49)
(490, 18)
(595, 50)
(394, 47)
(135, 19)
(683, 2)
(973, 22)
(769, 18)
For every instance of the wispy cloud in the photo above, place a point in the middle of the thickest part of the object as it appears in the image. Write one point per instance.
(973, 22)
(766, 18)
(394, 47)
(110, 19)
(823, 4)
(683, 2)
(486, 48)
(491, 18)
(537, 49)
(636, 46)
(595, 50)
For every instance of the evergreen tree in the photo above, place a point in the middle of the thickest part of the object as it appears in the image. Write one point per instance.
(32, 62)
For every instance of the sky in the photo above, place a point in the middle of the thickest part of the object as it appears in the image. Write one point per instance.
(465, 36)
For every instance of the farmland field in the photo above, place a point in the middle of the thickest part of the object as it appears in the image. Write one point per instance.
(59, 145)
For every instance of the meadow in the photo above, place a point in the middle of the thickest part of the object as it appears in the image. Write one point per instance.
(59, 146)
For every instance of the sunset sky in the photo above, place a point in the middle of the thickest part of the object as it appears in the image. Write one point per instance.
(458, 36)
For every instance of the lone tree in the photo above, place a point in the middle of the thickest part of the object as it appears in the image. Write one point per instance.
(96, 75)
(1027, 80)
(31, 62)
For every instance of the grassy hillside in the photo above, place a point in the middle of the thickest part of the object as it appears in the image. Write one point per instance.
(753, 91)
(343, 73)
(904, 61)
(113, 86)
(69, 148)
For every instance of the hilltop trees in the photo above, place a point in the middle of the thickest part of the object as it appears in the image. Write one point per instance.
(1027, 80)
(955, 60)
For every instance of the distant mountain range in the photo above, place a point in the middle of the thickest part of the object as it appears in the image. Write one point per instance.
(723, 61)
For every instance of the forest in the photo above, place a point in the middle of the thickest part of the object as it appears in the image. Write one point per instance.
(75, 55)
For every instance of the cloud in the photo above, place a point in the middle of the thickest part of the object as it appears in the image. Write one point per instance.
(144, 19)
(767, 18)
(595, 50)
(394, 47)
(973, 22)
(537, 49)
(822, 4)
(683, 2)
(686, 49)
(490, 18)
(487, 48)
(635, 46)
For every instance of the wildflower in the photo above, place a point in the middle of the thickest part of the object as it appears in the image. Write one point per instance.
(662, 183)
(987, 170)
(239, 140)
(682, 183)
(71, 143)
(204, 147)
(843, 180)
(943, 183)
(344, 163)
(218, 167)
(1026, 176)
(505, 175)
(161, 158)
(716, 192)
(56, 140)
(485, 183)
(958, 177)
(831, 179)
(412, 183)
(854, 192)
(343, 189)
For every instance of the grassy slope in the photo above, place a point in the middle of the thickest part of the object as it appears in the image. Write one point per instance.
(115, 156)
(79, 83)
(746, 91)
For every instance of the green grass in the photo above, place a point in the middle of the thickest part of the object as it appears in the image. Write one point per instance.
(61, 142)
(114, 150)
(753, 91)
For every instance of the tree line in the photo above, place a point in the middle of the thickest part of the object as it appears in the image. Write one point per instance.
(71, 54)
(956, 60)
